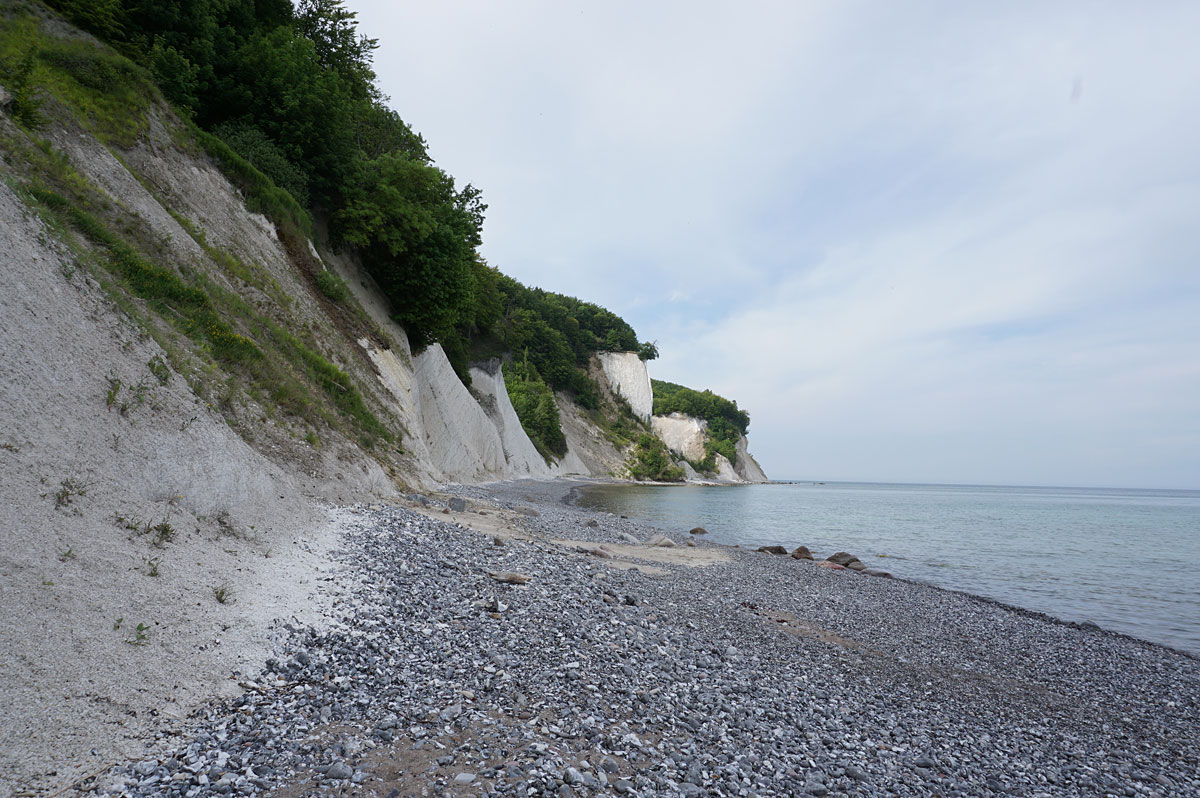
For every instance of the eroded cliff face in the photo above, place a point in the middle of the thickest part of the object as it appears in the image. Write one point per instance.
(747, 467)
(458, 434)
(627, 375)
(683, 434)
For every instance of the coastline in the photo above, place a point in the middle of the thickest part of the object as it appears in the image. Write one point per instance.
(617, 668)
(831, 543)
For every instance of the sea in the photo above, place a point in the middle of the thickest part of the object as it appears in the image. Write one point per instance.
(1126, 560)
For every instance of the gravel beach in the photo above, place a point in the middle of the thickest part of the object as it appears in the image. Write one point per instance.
(498, 641)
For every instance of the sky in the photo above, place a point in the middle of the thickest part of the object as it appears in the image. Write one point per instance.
(917, 241)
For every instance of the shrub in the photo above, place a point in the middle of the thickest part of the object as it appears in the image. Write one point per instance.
(331, 285)
(534, 402)
(650, 461)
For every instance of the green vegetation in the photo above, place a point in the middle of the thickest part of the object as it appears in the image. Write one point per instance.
(68, 489)
(141, 633)
(223, 593)
(158, 367)
(204, 313)
(534, 402)
(332, 286)
(726, 423)
(650, 461)
(103, 91)
(327, 139)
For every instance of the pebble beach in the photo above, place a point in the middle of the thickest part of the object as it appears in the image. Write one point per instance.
(496, 640)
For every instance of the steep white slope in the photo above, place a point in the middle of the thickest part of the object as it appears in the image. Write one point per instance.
(725, 470)
(747, 467)
(628, 376)
(522, 457)
(464, 445)
(683, 434)
(589, 452)
(89, 467)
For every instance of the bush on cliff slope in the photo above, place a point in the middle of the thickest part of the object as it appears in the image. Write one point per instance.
(534, 403)
(650, 461)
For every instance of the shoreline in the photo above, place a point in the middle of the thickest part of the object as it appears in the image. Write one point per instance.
(572, 497)
(619, 668)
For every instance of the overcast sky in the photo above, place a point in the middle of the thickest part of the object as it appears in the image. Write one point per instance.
(921, 242)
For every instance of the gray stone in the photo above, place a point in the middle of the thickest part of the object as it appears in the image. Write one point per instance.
(572, 776)
(464, 778)
(339, 770)
(772, 549)
(458, 504)
(801, 553)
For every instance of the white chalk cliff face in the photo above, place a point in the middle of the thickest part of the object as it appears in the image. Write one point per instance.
(747, 467)
(461, 435)
(682, 434)
(628, 376)
(684, 437)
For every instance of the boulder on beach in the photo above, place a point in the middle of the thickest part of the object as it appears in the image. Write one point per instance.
(855, 565)
(772, 549)
(659, 540)
(841, 558)
(877, 572)
(698, 530)
(831, 565)
(801, 553)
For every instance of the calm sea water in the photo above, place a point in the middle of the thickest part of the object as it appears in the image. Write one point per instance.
(1128, 560)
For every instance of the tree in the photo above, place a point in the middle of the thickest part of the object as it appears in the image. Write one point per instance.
(418, 236)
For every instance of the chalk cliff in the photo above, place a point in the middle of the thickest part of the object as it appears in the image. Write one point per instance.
(629, 378)
(683, 434)
(684, 437)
